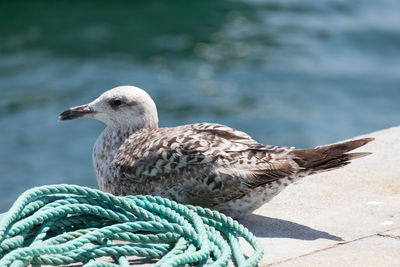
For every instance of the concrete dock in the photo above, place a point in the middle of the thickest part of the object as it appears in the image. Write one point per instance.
(345, 217)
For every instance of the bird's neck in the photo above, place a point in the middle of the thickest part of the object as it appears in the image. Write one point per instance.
(112, 137)
(104, 151)
(115, 136)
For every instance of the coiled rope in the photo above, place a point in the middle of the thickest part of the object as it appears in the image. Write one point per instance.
(64, 224)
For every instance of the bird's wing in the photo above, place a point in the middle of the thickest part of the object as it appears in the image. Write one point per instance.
(203, 161)
(236, 137)
(224, 132)
(256, 163)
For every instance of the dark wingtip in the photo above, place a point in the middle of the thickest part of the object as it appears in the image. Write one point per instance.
(353, 144)
(368, 139)
(357, 155)
(349, 145)
(330, 157)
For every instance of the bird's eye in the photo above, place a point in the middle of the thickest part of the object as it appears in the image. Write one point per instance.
(116, 102)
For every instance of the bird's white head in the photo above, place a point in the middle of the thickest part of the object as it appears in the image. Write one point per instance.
(123, 106)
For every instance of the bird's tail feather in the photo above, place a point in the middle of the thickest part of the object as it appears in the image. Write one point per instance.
(329, 157)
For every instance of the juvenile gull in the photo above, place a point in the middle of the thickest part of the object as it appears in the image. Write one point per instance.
(204, 164)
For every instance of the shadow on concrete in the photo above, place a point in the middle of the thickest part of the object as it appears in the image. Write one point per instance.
(262, 226)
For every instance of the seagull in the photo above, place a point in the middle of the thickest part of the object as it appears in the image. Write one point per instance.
(205, 164)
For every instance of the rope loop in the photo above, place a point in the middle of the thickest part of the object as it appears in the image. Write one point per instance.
(64, 224)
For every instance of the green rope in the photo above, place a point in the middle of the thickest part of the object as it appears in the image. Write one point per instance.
(64, 224)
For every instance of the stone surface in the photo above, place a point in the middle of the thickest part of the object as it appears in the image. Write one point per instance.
(356, 204)
(372, 251)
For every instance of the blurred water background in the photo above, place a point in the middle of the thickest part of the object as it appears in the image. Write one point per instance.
(300, 73)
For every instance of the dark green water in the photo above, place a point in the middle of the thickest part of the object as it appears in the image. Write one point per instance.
(300, 73)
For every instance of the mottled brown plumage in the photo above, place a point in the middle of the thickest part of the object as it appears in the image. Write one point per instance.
(204, 164)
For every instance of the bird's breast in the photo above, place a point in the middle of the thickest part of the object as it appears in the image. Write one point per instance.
(104, 151)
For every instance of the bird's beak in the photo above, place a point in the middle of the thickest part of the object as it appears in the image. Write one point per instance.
(76, 112)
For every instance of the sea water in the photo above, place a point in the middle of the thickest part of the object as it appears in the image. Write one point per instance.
(300, 73)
